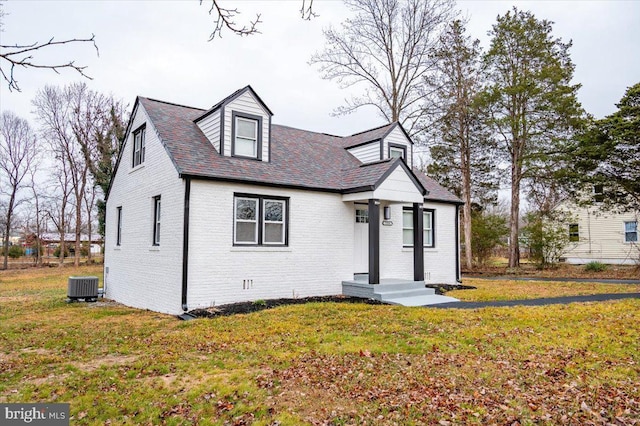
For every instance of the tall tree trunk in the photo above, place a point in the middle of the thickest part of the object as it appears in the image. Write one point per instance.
(465, 165)
(76, 259)
(514, 244)
(12, 199)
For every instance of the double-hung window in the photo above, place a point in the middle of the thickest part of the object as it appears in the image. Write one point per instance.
(427, 227)
(631, 232)
(156, 220)
(139, 145)
(260, 220)
(246, 136)
(574, 232)
(119, 228)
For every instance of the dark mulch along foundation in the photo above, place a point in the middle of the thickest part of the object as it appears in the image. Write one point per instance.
(259, 305)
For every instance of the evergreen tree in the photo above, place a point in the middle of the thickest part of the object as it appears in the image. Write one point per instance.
(607, 155)
(532, 103)
(461, 155)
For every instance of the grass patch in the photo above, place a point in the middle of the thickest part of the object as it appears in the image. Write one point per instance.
(318, 363)
(493, 290)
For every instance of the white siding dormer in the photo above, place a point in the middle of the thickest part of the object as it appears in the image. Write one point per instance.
(367, 153)
(210, 126)
(397, 140)
(239, 114)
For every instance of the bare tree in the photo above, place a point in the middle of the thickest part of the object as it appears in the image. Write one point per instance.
(39, 216)
(19, 55)
(18, 154)
(225, 17)
(89, 198)
(386, 48)
(61, 112)
(57, 205)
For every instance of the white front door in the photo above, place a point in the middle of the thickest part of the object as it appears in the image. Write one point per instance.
(361, 240)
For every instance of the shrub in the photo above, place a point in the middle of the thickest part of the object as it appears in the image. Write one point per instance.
(488, 232)
(56, 252)
(15, 252)
(595, 267)
(546, 237)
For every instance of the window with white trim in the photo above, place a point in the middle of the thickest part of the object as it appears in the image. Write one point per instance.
(631, 232)
(274, 221)
(396, 152)
(260, 220)
(427, 227)
(156, 220)
(246, 136)
(119, 226)
(139, 145)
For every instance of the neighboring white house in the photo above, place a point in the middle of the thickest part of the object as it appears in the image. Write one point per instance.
(208, 207)
(597, 235)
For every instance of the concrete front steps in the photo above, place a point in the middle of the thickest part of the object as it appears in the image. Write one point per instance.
(395, 291)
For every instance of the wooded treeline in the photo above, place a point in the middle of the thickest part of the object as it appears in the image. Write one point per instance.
(53, 179)
(506, 116)
(502, 117)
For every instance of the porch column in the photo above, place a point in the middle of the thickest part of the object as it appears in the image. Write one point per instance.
(418, 242)
(374, 241)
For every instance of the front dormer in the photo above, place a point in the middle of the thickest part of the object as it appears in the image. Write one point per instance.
(382, 143)
(239, 126)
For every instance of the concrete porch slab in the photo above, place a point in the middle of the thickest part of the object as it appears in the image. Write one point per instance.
(394, 291)
(433, 299)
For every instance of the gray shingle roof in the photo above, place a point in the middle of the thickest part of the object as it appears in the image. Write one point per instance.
(299, 158)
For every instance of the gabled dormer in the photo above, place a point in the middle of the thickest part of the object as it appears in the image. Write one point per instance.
(381, 143)
(239, 126)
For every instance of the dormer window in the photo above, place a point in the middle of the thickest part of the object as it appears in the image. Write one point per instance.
(246, 136)
(138, 145)
(397, 151)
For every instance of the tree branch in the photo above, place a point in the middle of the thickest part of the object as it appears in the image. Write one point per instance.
(22, 56)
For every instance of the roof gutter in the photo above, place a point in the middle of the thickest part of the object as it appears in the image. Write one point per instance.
(185, 242)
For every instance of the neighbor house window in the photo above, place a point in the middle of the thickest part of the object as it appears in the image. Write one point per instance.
(598, 193)
(246, 136)
(260, 220)
(119, 228)
(427, 227)
(574, 232)
(631, 232)
(138, 146)
(397, 151)
(156, 220)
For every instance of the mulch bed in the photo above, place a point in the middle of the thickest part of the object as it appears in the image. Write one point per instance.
(259, 305)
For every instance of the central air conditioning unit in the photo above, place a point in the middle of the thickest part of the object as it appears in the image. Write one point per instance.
(83, 288)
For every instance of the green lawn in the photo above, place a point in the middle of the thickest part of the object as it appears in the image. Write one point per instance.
(318, 363)
(488, 290)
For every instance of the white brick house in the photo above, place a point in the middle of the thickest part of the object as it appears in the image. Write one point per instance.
(209, 207)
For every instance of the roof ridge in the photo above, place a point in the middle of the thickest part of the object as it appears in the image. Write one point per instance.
(370, 130)
(308, 131)
(170, 103)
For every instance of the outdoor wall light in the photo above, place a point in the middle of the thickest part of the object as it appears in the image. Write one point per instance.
(387, 212)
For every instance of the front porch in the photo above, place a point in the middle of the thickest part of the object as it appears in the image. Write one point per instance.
(394, 291)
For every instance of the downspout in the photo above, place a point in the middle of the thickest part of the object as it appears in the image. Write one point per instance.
(185, 243)
(458, 243)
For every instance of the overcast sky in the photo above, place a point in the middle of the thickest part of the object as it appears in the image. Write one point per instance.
(159, 49)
